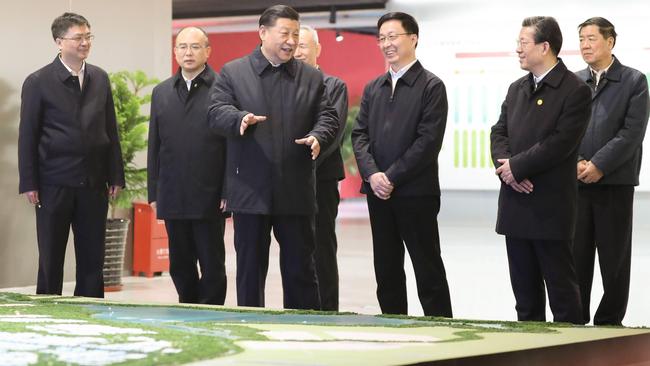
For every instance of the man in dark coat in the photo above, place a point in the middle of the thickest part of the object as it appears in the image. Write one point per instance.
(609, 162)
(273, 109)
(185, 167)
(69, 158)
(397, 137)
(329, 170)
(534, 147)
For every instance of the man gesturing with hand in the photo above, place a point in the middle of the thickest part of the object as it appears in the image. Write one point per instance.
(275, 115)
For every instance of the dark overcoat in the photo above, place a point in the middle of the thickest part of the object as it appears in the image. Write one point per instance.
(267, 172)
(540, 131)
(67, 135)
(619, 118)
(329, 165)
(186, 159)
(400, 132)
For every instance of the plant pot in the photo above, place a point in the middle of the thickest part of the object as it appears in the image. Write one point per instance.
(115, 240)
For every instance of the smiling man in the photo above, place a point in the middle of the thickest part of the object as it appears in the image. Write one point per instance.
(276, 117)
(69, 158)
(397, 137)
(609, 163)
(534, 147)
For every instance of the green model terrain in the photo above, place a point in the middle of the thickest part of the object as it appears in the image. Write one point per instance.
(48, 330)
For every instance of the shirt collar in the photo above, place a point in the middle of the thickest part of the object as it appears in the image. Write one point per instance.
(613, 72)
(205, 76)
(261, 63)
(538, 79)
(552, 79)
(597, 75)
(72, 72)
(409, 76)
(195, 77)
(605, 69)
(399, 73)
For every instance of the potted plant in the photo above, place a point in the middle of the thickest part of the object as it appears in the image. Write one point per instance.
(126, 88)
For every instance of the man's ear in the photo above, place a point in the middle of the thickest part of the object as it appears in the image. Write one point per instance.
(262, 32)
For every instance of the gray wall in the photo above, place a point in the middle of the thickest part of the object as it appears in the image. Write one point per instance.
(130, 35)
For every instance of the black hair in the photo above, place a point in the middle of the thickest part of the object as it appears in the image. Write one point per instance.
(271, 15)
(605, 27)
(546, 30)
(408, 22)
(62, 23)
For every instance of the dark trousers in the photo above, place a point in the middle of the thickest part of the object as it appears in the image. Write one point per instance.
(327, 195)
(85, 210)
(192, 241)
(410, 221)
(534, 263)
(605, 224)
(295, 235)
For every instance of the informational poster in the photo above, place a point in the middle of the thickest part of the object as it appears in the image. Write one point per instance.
(473, 50)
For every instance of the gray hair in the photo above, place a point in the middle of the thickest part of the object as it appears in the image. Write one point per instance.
(313, 32)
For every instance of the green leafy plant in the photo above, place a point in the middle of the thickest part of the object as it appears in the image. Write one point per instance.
(347, 152)
(132, 124)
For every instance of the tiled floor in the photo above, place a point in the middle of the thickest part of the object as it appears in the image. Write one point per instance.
(474, 256)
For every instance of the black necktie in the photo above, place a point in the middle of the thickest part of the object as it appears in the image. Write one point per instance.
(597, 80)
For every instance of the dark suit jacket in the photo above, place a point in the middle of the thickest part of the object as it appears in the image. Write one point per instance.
(68, 137)
(267, 172)
(619, 117)
(540, 133)
(186, 159)
(329, 165)
(400, 133)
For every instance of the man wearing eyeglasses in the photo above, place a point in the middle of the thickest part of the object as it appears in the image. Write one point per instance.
(276, 117)
(185, 166)
(397, 137)
(534, 147)
(69, 158)
(609, 163)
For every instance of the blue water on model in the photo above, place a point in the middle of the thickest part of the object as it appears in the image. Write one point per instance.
(140, 314)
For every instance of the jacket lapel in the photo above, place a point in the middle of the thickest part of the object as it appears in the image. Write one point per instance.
(612, 75)
(87, 80)
(64, 75)
(254, 85)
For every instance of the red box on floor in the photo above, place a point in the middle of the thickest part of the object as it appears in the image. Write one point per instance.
(150, 244)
